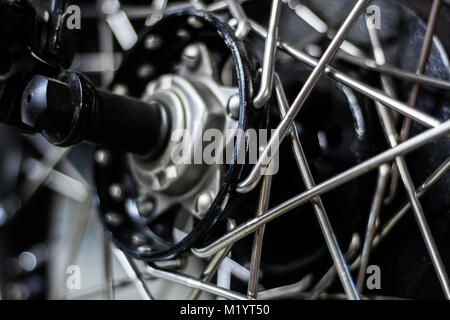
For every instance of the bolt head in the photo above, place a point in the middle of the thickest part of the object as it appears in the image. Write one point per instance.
(233, 106)
(138, 239)
(204, 202)
(152, 42)
(146, 206)
(313, 50)
(194, 22)
(183, 34)
(113, 219)
(191, 56)
(102, 157)
(120, 89)
(145, 71)
(116, 191)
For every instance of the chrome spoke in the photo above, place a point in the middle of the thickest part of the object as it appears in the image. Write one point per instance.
(310, 17)
(391, 136)
(222, 5)
(383, 176)
(108, 270)
(390, 163)
(80, 225)
(50, 160)
(92, 292)
(119, 24)
(238, 13)
(192, 282)
(159, 6)
(135, 275)
(421, 64)
(391, 70)
(350, 174)
(77, 236)
(268, 67)
(326, 281)
(425, 52)
(286, 292)
(210, 269)
(213, 264)
(106, 46)
(429, 182)
(280, 133)
(255, 261)
(347, 80)
(319, 209)
(385, 230)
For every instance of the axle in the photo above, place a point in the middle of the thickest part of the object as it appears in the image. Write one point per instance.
(70, 110)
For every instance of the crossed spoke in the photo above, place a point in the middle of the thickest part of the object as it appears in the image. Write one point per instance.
(390, 164)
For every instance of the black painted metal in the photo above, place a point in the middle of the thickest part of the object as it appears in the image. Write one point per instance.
(220, 38)
(71, 110)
